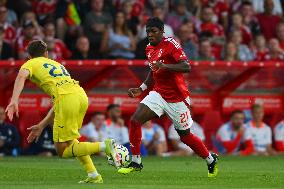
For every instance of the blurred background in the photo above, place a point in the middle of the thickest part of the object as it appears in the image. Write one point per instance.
(235, 47)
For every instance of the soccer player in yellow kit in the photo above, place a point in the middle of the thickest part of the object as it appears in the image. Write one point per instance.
(70, 104)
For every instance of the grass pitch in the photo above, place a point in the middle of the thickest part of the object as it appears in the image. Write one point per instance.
(164, 173)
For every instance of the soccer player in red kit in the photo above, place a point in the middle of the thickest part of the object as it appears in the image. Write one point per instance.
(169, 96)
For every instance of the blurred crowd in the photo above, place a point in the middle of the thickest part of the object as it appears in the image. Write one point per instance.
(241, 135)
(228, 30)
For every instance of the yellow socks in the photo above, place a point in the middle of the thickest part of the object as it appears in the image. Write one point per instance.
(77, 149)
(82, 152)
(87, 163)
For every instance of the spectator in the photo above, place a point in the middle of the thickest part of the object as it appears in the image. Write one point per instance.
(259, 132)
(221, 11)
(259, 6)
(180, 15)
(187, 40)
(268, 21)
(154, 138)
(5, 49)
(68, 20)
(249, 18)
(9, 136)
(208, 25)
(11, 14)
(280, 34)
(237, 24)
(160, 13)
(82, 51)
(164, 4)
(44, 9)
(94, 131)
(279, 136)
(22, 42)
(9, 30)
(244, 52)
(131, 20)
(195, 8)
(231, 136)
(179, 148)
(260, 50)
(231, 52)
(115, 127)
(118, 41)
(44, 146)
(275, 52)
(56, 47)
(96, 24)
(205, 50)
(29, 16)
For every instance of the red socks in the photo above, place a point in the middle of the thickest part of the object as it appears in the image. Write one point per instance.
(135, 137)
(195, 144)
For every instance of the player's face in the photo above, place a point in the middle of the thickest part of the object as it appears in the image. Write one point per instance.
(154, 35)
(115, 113)
(237, 120)
(98, 120)
(258, 114)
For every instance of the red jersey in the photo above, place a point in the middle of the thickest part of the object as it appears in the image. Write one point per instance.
(60, 51)
(170, 85)
(260, 55)
(220, 7)
(215, 29)
(267, 24)
(9, 33)
(246, 34)
(44, 6)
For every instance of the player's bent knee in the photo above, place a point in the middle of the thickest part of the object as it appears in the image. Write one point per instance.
(183, 132)
(137, 118)
(61, 148)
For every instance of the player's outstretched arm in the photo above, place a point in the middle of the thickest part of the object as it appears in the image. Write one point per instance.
(12, 108)
(181, 66)
(36, 130)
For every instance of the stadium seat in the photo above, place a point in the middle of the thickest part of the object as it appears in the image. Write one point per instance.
(27, 119)
(211, 122)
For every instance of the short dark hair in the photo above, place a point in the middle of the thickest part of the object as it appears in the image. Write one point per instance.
(244, 3)
(37, 48)
(97, 113)
(256, 106)
(155, 22)
(111, 106)
(236, 112)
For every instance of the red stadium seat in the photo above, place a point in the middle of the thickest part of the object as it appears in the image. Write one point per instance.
(27, 119)
(211, 122)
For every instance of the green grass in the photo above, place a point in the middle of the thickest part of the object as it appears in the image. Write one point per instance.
(164, 173)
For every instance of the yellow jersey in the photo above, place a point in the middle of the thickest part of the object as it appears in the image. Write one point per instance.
(50, 76)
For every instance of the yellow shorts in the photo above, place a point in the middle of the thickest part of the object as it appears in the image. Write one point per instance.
(69, 110)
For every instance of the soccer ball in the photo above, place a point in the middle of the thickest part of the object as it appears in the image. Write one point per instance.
(122, 156)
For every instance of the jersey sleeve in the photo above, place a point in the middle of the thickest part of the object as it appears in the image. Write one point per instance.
(279, 132)
(223, 135)
(28, 66)
(177, 51)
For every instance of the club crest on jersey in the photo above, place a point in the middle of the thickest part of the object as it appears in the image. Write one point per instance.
(160, 53)
(152, 65)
